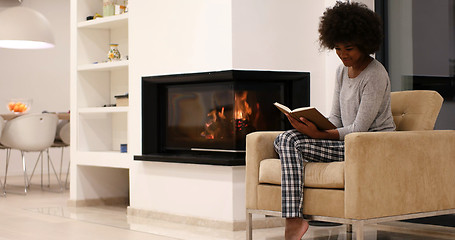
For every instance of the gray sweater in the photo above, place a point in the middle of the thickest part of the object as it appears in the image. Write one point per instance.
(362, 104)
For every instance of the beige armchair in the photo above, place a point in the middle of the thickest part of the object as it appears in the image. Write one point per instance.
(386, 176)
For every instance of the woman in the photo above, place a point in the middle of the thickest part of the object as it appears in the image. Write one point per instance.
(361, 103)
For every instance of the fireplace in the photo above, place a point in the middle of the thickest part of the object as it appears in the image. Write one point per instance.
(203, 118)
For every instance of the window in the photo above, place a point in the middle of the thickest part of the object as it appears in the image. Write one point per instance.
(419, 51)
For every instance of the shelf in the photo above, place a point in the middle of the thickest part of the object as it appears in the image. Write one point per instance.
(107, 66)
(94, 110)
(113, 159)
(111, 22)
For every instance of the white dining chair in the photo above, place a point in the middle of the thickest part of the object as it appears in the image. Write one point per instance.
(62, 140)
(30, 133)
(65, 135)
(2, 185)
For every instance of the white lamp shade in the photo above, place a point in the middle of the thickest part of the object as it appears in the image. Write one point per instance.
(24, 28)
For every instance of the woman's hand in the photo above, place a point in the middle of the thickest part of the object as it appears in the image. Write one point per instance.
(308, 128)
(304, 126)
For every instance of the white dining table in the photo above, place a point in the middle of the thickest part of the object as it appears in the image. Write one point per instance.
(9, 116)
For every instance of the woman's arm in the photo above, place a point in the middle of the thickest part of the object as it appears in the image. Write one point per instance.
(335, 113)
(308, 128)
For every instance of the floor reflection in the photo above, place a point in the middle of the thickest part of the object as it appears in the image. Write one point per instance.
(117, 217)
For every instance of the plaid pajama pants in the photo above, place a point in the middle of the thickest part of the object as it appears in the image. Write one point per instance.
(294, 149)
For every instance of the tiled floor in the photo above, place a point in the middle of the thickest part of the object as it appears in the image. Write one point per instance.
(45, 215)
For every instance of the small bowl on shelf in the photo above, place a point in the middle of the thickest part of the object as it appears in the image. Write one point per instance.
(19, 105)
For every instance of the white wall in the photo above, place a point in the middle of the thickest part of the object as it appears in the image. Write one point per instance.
(42, 75)
(177, 36)
(280, 35)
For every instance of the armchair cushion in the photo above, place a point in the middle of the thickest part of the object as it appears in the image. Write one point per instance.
(324, 175)
(317, 175)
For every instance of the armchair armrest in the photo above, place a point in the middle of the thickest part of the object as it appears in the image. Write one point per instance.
(259, 146)
(395, 173)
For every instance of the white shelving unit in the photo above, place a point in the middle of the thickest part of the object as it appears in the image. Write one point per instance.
(98, 128)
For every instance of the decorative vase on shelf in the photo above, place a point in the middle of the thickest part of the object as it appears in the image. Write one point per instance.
(113, 54)
(108, 8)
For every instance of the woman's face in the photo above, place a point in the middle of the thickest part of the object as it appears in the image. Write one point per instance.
(350, 55)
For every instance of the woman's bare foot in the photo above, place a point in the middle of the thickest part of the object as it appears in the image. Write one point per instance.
(295, 228)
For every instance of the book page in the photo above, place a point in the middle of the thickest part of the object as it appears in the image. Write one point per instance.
(282, 108)
(302, 109)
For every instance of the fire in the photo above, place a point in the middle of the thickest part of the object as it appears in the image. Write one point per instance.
(213, 126)
(218, 123)
(214, 115)
(242, 108)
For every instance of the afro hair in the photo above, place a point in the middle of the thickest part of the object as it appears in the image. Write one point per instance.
(351, 23)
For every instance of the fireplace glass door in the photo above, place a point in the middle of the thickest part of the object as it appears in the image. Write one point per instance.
(218, 116)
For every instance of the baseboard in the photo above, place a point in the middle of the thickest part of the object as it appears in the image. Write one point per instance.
(268, 222)
(98, 202)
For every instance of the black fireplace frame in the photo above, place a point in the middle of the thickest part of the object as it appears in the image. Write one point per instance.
(296, 93)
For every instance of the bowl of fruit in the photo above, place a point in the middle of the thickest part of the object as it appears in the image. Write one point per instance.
(19, 105)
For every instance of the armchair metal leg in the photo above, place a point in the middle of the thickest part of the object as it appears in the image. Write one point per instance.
(349, 232)
(359, 230)
(249, 227)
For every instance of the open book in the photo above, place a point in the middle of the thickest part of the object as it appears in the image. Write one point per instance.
(310, 113)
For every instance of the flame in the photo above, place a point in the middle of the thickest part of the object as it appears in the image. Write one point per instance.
(212, 128)
(242, 108)
(218, 122)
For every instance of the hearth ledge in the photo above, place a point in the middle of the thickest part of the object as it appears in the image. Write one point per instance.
(227, 159)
